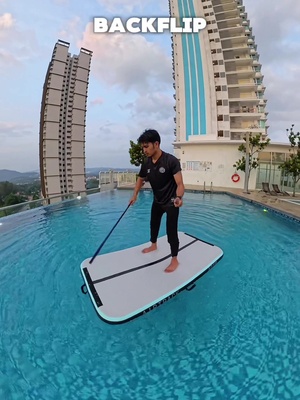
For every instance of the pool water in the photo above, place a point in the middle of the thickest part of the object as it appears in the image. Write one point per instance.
(235, 336)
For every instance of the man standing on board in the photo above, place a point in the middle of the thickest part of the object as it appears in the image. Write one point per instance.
(163, 171)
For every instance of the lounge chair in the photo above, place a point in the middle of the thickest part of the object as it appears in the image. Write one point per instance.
(266, 189)
(278, 191)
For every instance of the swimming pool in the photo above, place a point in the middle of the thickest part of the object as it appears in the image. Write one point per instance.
(235, 336)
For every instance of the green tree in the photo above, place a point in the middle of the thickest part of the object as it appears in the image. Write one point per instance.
(256, 144)
(5, 189)
(292, 165)
(137, 156)
(12, 199)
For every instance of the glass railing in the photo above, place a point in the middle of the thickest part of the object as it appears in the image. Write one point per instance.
(29, 205)
(108, 180)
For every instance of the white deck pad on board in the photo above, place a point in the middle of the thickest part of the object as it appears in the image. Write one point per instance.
(126, 283)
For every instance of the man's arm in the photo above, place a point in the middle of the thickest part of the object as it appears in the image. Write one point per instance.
(180, 189)
(138, 185)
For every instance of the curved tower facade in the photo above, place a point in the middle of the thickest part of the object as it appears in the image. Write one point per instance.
(62, 122)
(217, 74)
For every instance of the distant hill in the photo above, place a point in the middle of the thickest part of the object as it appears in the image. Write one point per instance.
(18, 177)
(28, 177)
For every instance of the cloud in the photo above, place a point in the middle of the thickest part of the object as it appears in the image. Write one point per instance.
(8, 60)
(279, 49)
(6, 21)
(110, 145)
(107, 145)
(122, 6)
(157, 105)
(61, 2)
(18, 146)
(71, 29)
(97, 101)
(131, 6)
(9, 131)
(17, 45)
(153, 105)
(128, 61)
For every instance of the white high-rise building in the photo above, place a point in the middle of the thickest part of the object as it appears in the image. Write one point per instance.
(63, 121)
(218, 79)
(219, 89)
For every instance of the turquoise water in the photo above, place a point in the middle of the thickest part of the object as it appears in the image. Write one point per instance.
(235, 336)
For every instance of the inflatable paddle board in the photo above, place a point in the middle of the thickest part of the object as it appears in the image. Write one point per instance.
(127, 283)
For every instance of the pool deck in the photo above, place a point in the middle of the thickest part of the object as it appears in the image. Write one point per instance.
(276, 203)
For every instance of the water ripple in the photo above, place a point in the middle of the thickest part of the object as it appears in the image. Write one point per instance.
(235, 336)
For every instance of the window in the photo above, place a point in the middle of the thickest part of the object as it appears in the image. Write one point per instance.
(220, 117)
(218, 88)
(224, 88)
(220, 134)
(219, 102)
(265, 156)
(278, 157)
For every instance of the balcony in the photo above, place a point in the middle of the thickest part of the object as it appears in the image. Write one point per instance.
(237, 41)
(260, 88)
(262, 102)
(252, 99)
(255, 63)
(232, 24)
(227, 15)
(255, 128)
(238, 31)
(244, 110)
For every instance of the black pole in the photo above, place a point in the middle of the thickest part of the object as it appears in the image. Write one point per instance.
(102, 244)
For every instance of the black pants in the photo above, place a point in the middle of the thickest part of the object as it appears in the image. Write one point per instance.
(172, 212)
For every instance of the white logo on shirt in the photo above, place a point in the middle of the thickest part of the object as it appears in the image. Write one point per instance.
(162, 170)
(148, 171)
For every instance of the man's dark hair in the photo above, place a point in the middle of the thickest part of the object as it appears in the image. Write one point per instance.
(149, 136)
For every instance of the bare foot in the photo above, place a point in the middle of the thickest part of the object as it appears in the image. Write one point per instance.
(151, 248)
(173, 265)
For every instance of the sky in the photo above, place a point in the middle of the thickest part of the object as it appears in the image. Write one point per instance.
(130, 87)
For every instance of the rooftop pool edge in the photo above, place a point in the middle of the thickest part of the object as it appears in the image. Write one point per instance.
(274, 210)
